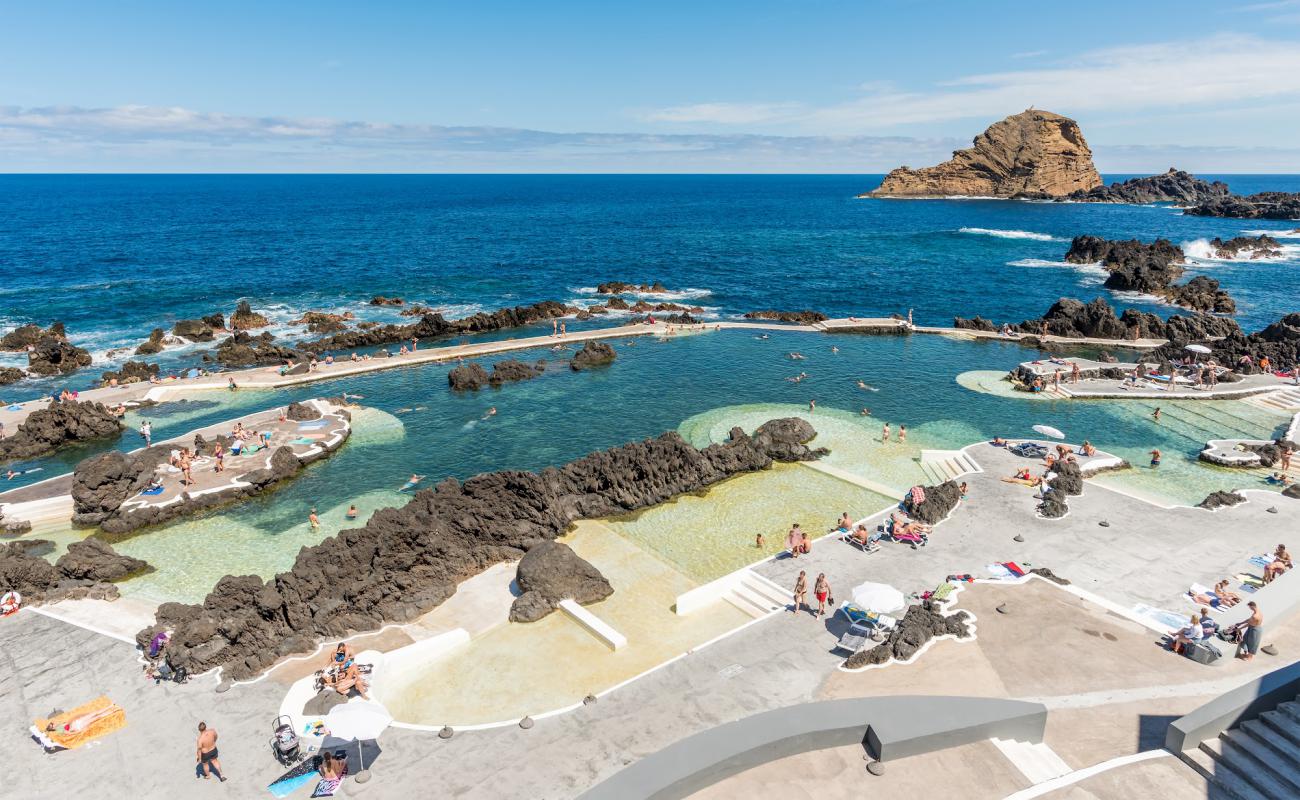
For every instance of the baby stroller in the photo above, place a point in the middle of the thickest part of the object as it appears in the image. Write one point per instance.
(284, 742)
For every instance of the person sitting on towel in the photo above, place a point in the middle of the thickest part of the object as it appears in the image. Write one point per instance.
(1193, 632)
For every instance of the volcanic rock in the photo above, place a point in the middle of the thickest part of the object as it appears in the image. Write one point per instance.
(938, 504)
(1280, 342)
(509, 371)
(619, 287)
(1150, 269)
(976, 323)
(434, 325)
(94, 560)
(593, 354)
(919, 625)
(380, 300)
(215, 321)
(53, 355)
(302, 412)
(48, 429)
(245, 350)
(195, 330)
(246, 318)
(154, 345)
(416, 310)
(467, 377)
(1068, 480)
(1174, 186)
(132, 372)
(1220, 499)
(324, 322)
(797, 317)
(1264, 205)
(406, 561)
(785, 439)
(1035, 152)
(1292, 491)
(1239, 247)
(10, 375)
(25, 336)
(550, 572)
(81, 573)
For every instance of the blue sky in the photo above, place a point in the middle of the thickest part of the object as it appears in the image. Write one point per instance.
(810, 86)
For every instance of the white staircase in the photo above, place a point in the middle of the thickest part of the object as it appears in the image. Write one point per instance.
(757, 596)
(1287, 399)
(940, 466)
(1037, 762)
(1260, 758)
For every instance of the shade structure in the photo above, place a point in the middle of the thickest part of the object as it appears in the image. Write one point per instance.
(1048, 430)
(1198, 348)
(879, 597)
(358, 719)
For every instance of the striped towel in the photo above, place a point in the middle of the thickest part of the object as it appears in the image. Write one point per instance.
(918, 495)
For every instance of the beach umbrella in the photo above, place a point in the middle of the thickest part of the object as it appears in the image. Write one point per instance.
(1198, 348)
(1048, 430)
(879, 597)
(360, 720)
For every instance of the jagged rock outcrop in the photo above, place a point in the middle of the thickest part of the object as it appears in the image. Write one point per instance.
(216, 321)
(920, 624)
(1034, 153)
(25, 336)
(1073, 319)
(472, 377)
(154, 344)
(593, 354)
(416, 310)
(1264, 205)
(243, 349)
(245, 318)
(325, 322)
(1150, 269)
(796, 317)
(10, 375)
(302, 412)
(1174, 186)
(380, 300)
(468, 377)
(938, 504)
(132, 372)
(48, 429)
(22, 569)
(405, 561)
(1280, 342)
(53, 355)
(195, 330)
(1245, 247)
(619, 287)
(550, 572)
(785, 439)
(434, 325)
(1220, 499)
(976, 323)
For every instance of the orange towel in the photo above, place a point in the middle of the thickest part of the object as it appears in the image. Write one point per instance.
(100, 727)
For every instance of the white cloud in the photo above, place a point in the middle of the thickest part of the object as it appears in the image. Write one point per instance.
(724, 113)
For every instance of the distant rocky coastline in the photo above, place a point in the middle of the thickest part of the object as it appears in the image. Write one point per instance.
(406, 561)
(1174, 186)
(1264, 205)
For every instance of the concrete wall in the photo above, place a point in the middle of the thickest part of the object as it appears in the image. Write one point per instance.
(889, 727)
(1246, 701)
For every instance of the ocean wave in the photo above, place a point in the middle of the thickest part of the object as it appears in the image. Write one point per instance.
(1200, 250)
(1091, 274)
(666, 296)
(1012, 234)
(1293, 233)
(1141, 297)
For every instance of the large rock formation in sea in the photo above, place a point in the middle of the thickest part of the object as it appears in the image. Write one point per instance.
(25, 336)
(795, 317)
(245, 318)
(85, 571)
(620, 287)
(1245, 247)
(11, 375)
(243, 349)
(593, 354)
(46, 430)
(1174, 186)
(550, 572)
(431, 326)
(1033, 153)
(1264, 205)
(1150, 269)
(405, 561)
(472, 376)
(1280, 342)
(131, 372)
(54, 355)
(1073, 319)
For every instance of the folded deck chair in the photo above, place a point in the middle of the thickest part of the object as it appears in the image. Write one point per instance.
(61, 739)
(856, 637)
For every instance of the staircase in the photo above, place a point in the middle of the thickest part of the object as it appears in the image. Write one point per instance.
(757, 596)
(1287, 400)
(1037, 762)
(940, 466)
(1258, 759)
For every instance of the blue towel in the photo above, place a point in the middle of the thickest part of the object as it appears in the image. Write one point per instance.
(14, 407)
(154, 490)
(1261, 561)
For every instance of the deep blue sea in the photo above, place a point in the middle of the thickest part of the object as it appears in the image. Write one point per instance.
(114, 256)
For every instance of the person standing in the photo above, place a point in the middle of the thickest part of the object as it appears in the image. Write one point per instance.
(822, 589)
(1251, 634)
(1074, 372)
(1155, 458)
(205, 754)
(884, 435)
(146, 432)
(314, 520)
(902, 434)
(564, 330)
(800, 591)
(812, 406)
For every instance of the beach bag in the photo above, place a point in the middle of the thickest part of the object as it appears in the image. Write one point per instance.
(1202, 652)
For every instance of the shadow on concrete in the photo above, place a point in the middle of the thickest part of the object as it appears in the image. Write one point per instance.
(1151, 731)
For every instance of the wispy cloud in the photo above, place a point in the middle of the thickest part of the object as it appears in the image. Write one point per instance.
(1205, 73)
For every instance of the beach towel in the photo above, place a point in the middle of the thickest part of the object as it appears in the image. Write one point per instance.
(1247, 578)
(14, 407)
(918, 495)
(154, 490)
(1165, 619)
(1021, 481)
(1261, 561)
(1014, 568)
(299, 776)
(68, 740)
(312, 426)
(328, 786)
(942, 592)
(965, 577)
(1000, 572)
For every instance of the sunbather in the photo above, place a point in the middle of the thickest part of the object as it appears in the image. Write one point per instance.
(1087, 449)
(1281, 563)
(863, 536)
(82, 721)
(346, 680)
(845, 524)
(998, 441)
(1226, 596)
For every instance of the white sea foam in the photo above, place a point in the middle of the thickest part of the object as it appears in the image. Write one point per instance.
(1011, 234)
(1200, 250)
(668, 296)
(1291, 233)
(1091, 274)
(1140, 297)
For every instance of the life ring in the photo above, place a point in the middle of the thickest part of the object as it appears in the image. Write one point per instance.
(10, 603)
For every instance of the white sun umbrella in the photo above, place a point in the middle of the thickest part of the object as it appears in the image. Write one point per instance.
(1198, 348)
(880, 597)
(358, 719)
(1048, 430)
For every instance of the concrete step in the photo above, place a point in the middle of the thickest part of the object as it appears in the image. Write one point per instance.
(1291, 708)
(1283, 724)
(749, 602)
(1037, 762)
(1226, 754)
(1266, 734)
(1222, 777)
(1281, 766)
(766, 590)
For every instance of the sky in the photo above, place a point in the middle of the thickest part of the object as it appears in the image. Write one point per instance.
(562, 86)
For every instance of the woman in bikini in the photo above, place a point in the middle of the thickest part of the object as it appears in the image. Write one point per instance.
(1281, 563)
(800, 592)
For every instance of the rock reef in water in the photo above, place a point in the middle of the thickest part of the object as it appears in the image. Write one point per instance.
(1264, 205)
(434, 325)
(1073, 319)
(380, 300)
(1033, 153)
(53, 355)
(324, 321)
(1174, 186)
(132, 372)
(11, 375)
(243, 349)
(405, 561)
(194, 330)
(620, 287)
(593, 354)
(1245, 247)
(1242, 352)
(245, 318)
(49, 429)
(472, 376)
(25, 336)
(85, 571)
(920, 624)
(550, 572)
(796, 317)
(155, 344)
(1150, 269)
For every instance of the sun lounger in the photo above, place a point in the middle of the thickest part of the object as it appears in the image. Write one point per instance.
(59, 739)
(856, 637)
(866, 547)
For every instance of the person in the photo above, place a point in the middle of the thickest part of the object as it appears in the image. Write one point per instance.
(845, 524)
(822, 590)
(805, 543)
(342, 656)
(902, 434)
(83, 721)
(884, 435)
(812, 406)
(962, 488)
(491, 412)
(331, 768)
(759, 541)
(862, 536)
(564, 331)
(218, 457)
(1265, 365)
(866, 412)
(415, 343)
(205, 754)
(800, 591)
(349, 679)
(998, 441)
(352, 511)
(1087, 449)
(1155, 457)
(1281, 563)
(314, 520)
(1037, 385)
(794, 541)
(410, 484)
(1155, 415)
(146, 433)
(1227, 597)
(1286, 459)
(1193, 632)
(1251, 633)
(1074, 372)
(230, 383)
(1056, 380)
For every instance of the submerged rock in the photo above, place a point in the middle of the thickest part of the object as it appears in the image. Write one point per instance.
(406, 561)
(550, 572)
(1033, 153)
(48, 429)
(593, 354)
(1220, 499)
